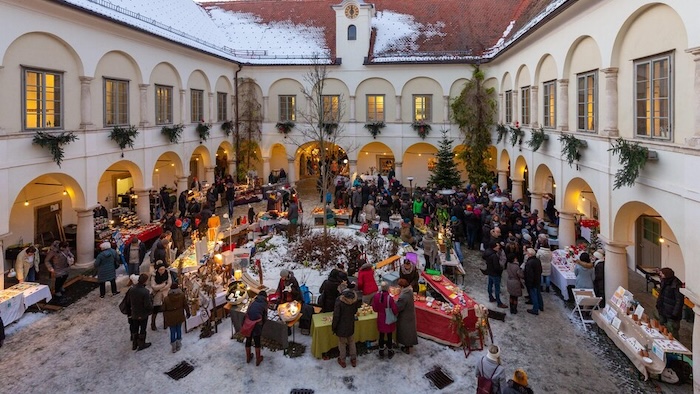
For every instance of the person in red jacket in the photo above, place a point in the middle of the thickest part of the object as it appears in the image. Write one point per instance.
(366, 283)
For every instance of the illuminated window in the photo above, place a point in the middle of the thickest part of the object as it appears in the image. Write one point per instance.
(42, 99)
(422, 108)
(221, 107)
(116, 102)
(164, 104)
(525, 105)
(196, 105)
(549, 107)
(331, 109)
(653, 88)
(288, 108)
(509, 106)
(586, 113)
(375, 107)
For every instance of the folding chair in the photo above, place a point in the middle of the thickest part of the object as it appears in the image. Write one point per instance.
(586, 301)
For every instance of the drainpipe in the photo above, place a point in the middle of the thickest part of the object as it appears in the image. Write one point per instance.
(236, 135)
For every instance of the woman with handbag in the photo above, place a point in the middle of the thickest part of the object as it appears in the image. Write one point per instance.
(251, 329)
(406, 329)
(386, 310)
(106, 264)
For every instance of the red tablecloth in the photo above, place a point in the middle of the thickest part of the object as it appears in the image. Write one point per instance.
(144, 233)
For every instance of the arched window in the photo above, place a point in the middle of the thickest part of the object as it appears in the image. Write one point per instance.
(352, 33)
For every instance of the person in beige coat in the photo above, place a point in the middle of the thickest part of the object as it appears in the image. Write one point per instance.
(370, 212)
(27, 264)
(160, 286)
(545, 256)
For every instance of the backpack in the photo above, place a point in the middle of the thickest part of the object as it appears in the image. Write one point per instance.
(305, 293)
(484, 384)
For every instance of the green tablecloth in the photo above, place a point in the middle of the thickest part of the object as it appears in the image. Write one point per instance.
(323, 340)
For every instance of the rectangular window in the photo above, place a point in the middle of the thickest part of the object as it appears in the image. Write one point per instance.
(116, 102)
(550, 102)
(586, 87)
(509, 106)
(331, 109)
(288, 107)
(654, 106)
(164, 104)
(422, 107)
(221, 107)
(525, 105)
(196, 105)
(375, 108)
(43, 91)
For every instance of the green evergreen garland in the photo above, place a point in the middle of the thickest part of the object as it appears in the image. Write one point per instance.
(633, 157)
(54, 142)
(124, 136)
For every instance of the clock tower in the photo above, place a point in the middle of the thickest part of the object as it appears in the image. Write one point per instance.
(353, 27)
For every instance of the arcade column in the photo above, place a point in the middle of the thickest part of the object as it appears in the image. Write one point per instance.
(85, 239)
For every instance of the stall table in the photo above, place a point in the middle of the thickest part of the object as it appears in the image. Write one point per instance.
(437, 325)
(323, 340)
(15, 300)
(562, 273)
(273, 329)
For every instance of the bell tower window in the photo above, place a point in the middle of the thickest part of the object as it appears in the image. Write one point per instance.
(352, 33)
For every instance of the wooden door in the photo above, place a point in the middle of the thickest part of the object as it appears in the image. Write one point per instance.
(46, 227)
(648, 245)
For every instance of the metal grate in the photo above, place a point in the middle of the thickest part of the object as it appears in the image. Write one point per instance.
(302, 391)
(438, 378)
(181, 370)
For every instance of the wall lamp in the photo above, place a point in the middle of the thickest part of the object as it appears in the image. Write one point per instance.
(582, 192)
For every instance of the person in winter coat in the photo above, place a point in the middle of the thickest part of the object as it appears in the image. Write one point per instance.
(514, 283)
(533, 273)
(27, 264)
(384, 211)
(256, 310)
(356, 204)
(294, 209)
(178, 238)
(182, 204)
(406, 232)
(174, 311)
(490, 368)
(370, 212)
(160, 285)
(380, 303)
(366, 283)
(406, 329)
(584, 272)
(106, 263)
(58, 262)
(328, 292)
(431, 251)
(138, 300)
(518, 385)
(343, 325)
(230, 195)
(599, 279)
(288, 288)
(134, 253)
(545, 256)
(409, 272)
(472, 225)
(457, 231)
(494, 270)
(669, 305)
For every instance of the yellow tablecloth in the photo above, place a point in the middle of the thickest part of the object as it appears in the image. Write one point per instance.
(323, 340)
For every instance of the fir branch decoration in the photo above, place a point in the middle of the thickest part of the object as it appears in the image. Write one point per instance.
(285, 127)
(422, 128)
(516, 135)
(570, 148)
(203, 130)
(375, 128)
(537, 138)
(54, 142)
(632, 157)
(502, 130)
(124, 136)
(173, 132)
(329, 128)
(227, 127)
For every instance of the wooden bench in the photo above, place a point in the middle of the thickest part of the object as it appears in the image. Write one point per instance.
(391, 260)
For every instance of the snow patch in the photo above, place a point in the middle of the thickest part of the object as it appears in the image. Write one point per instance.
(399, 32)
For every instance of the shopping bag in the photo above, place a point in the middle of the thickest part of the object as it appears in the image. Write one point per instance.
(248, 326)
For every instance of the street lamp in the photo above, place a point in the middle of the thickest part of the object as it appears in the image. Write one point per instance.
(410, 182)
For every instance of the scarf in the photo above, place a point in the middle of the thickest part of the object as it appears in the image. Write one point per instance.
(161, 278)
(408, 271)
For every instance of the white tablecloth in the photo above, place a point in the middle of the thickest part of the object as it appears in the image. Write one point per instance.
(11, 307)
(374, 178)
(454, 262)
(201, 317)
(562, 273)
(16, 299)
(36, 294)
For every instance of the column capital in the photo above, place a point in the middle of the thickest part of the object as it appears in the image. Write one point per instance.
(695, 52)
(563, 82)
(533, 89)
(610, 72)
(502, 171)
(567, 215)
(517, 180)
(141, 192)
(536, 194)
(398, 164)
(84, 212)
(500, 94)
(85, 79)
(144, 86)
(181, 178)
(266, 159)
(352, 162)
(183, 91)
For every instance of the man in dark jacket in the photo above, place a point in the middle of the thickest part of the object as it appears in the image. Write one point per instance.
(230, 198)
(533, 275)
(669, 305)
(182, 204)
(139, 302)
(494, 270)
(329, 291)
(343, 325)
(356, 204)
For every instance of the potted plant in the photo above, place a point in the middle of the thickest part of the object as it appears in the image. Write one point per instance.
(173, 132)
(203, 130)
(285, 127)
(633, 157)
(502, 130)
(422, 128)
(375, 128)
(571, 148)
(54, 142)
(516, 135)
(124, 136)
(537, 138)
(227, 127)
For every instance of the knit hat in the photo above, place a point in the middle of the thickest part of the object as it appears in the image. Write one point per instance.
(105, 246)
(470, 208)
(384, 285)
(520, 377)
(453, 218)
(494, 353)
(599, 254)
(178, 223)
(284, 273)
(263, 293)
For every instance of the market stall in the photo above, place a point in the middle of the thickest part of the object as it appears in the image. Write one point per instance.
(15, 300)
(342, 216)
(323, 340)
(274, 329)
(563, 271)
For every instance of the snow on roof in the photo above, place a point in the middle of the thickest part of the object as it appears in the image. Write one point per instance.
(399, 32)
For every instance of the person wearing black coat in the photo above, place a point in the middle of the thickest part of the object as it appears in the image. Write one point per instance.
(494, 271)
(256, 310)
(329, 291)
(533, 276)
(343, 325)
(182, 204)
(140, 306)
(669, 305)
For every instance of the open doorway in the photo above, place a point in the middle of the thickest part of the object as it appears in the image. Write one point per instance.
(48, 226)
(648, 244)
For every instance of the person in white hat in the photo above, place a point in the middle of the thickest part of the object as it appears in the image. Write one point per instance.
(599, 277)
(106, 264)
(490, 368)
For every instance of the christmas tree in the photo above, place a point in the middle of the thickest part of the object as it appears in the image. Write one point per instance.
(445, 174)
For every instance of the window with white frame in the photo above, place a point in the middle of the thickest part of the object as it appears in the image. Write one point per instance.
(164, 104)
(375, 108)
(196, 105)
(586, 97)
(288, 108)
(509, 106)
(42, 101)
(116, 102)
(549, 104)
(331, 108)
(525, 105)
(422, 107)
(653, 96)
(221, 106)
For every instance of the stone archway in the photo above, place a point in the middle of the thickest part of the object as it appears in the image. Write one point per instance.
(519, 179)
(121, 186)
(415, 164)
(542, 184)
(375, 157)
(578, 201)
(504, 179)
